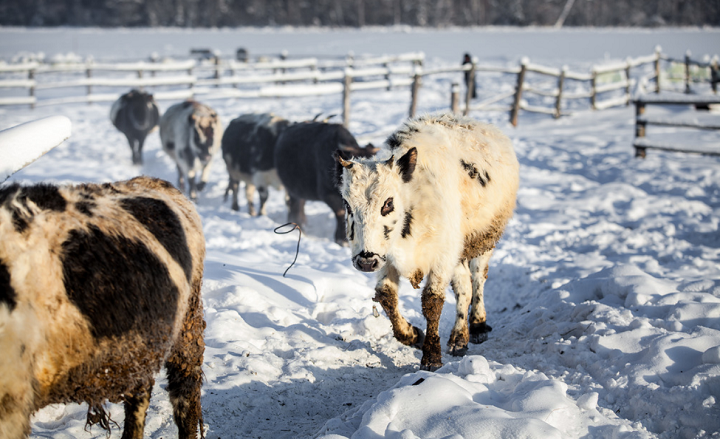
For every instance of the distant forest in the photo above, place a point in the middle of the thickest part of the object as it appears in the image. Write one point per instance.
(355, 13)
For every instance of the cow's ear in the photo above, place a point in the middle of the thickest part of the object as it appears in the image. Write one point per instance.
(407, 164)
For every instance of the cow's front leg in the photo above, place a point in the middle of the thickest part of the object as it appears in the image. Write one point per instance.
(433, 297)
(250, 196)
(205, 176)
(386, 294)
(462, 286)
(181, 179)
(478, 318)
(192, 187)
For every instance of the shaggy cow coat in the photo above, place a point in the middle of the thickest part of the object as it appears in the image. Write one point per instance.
(433, 210)
(248, 148)
(305, 165)
(136, 115)
(99, 288)
(190, 133)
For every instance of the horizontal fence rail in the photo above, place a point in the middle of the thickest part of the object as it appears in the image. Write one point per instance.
(216, 78)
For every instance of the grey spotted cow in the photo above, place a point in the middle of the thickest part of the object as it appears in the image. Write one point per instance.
(190, 133)
(433, 207)
(99, 288)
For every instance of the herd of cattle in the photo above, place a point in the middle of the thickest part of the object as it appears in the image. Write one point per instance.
(100, 284)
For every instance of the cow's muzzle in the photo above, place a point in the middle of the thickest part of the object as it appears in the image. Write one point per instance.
(367, 261)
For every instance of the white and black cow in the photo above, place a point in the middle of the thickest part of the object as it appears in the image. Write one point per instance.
(99, 289)
(248, 148)
(304, 162)
(434, 209)
(190, 133)
(135, 114)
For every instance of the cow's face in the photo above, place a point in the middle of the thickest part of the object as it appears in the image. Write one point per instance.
(203, 130)
(374, 193)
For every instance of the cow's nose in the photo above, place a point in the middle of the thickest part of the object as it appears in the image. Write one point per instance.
(367, 265)
(367, 262)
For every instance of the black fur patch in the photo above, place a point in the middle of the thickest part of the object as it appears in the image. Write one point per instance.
(170, 146)
(407, 224)
(45, 196)
(116, 283)
(407, 164)
(473, 173)
(7, 293)
(386, 231)
(393, 141)
(85, 207)
(162, 222)
(352, 231)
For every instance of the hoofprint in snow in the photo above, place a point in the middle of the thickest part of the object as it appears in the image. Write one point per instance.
(604, 294)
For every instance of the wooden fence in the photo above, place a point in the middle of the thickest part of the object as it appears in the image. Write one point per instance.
(215, 78)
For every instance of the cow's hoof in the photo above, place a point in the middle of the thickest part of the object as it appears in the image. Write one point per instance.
(479, 332)
(458, 351)
(235, 207)
(200, 186)
(419, 338)
(431, 367)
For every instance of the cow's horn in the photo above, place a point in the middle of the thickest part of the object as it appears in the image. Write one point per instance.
(347, 164)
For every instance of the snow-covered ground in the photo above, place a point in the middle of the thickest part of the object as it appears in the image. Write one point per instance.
(604, 294)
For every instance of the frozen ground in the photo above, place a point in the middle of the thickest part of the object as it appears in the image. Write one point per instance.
(604, 294)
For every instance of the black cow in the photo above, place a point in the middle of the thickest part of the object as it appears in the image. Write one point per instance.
(135, 114)
(305, 164)
(248, 148)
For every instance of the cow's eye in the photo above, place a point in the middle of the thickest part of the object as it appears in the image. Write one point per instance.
(347, 207)
(387, 207)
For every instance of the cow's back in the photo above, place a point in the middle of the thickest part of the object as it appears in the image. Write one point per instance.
(248, 143)
(464, 167)
(304, 158)
(100, 280)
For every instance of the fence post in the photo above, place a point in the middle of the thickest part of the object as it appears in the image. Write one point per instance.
(470, 88)
(561, 83)
(455, 98)
(518, 92)
(31, 76)
(88, 74)
(714, 79)
(415, 90)
(140, 75)
(387, 75)
(347, 82)
(627, 77)
(687, 71)
(639, 127)
(216, 61)
(153, 59)
(658, 54)
(593, 89)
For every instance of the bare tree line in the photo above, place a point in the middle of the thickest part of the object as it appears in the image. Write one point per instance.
(356, 13)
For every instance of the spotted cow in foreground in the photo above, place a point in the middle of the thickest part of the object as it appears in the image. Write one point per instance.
(248, 148)
(190, 133)
(434, 209)
(99, 288)
(136, 115)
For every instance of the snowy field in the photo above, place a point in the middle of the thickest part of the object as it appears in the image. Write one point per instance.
(603, 295)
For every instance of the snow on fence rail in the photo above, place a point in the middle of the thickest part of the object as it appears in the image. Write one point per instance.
(25, 143)
(280, 77)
